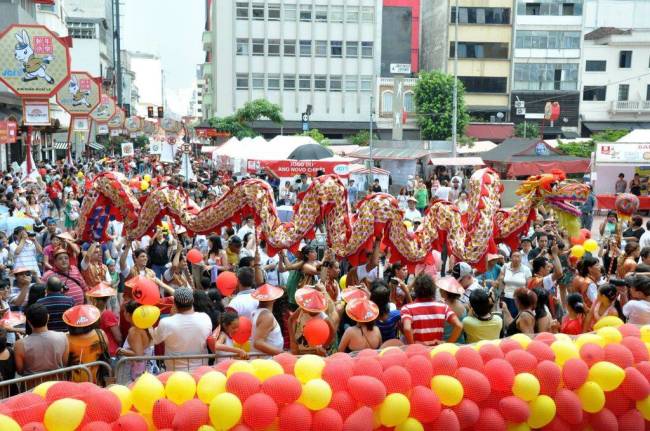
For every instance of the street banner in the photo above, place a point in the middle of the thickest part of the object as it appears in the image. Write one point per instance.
(8, 132)
(36, 113)
(290, 168)
(118, 119)
(81, 124)
(105, 110)
(127, 149)
(102, 129)
(133, 124)
(155, 147)
(81, 95)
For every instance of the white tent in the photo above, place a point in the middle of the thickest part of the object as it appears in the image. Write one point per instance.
(477, 147)
(637, 136)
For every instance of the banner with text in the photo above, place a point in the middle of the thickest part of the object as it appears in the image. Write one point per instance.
(290, 168)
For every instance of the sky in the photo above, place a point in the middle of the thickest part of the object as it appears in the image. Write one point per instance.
(172, 30)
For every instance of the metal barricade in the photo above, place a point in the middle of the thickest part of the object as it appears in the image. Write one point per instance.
(25, 383)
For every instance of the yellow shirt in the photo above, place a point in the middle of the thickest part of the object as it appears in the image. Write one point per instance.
(233, 258)
(477, 330)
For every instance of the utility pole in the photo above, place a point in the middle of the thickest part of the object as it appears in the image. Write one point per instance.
(454, 120)
(371, 176)
(118, 49)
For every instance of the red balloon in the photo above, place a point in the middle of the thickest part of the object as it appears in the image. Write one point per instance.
(283, 388)
(26, 408)
(470, 358)
(619, 355)
(295, 417)
(521, 361)
(489, 352)
(92, 426)
(360, 420)
(316, 331)
(420, 369)
(191, 415)
(368, 367)
(343, 403)
(337, 373)
(500, 374)
(592, 353)
(604, 420)
(447, 421)
(475, 385)
(243, 385)
(223, 366)
(194, 256)
(636, 346)
(617, 402)
(425, 404)
(467, 412)
(367, 390)
(327, 419)
(585, 232)
(549, 375)
(227, 283)
(287, 360)
(397, 380)
(490, 420)
(631, 420)
(444, 363)
(392, 357)
(569, 406)
(244, 331)
(146, 291)
(575, 373)
(259, 411)
(635, 386)
(102, 406)
(163, 413)
(540, 350)
(130, 422)
(514, 409)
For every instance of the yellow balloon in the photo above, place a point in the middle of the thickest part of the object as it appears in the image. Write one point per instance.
(542, 411)
(124, 394)
(225, 411)
(149, 420)
(146, 391)
(444, 347)
(265, 368)
(564, 350)
(522, 339)
(8, 424)
(645, 333)
(394, 410)
(343, 281)
(643, 407)
(240, 367)
(64, 415)
(180, 387)
(589, 338)
(316, 394)
(206, 428)
(590, 245)
(577, 251)
(144, 185)
(592, 397)
(526, 386)
(610, 335)
(612, 321)
(147, 178)
(517, 427)
(145, 316)
(410, 424)
(41, 390)
(448, 389)
(210, 385)
(308, 367)
(607, 375)
(562, 337)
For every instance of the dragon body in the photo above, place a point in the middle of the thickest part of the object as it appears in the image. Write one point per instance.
(468, 236)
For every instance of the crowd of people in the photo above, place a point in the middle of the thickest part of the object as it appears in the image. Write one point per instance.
(77, 297)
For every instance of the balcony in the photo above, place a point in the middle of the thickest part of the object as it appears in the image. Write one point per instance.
(631, 107)
(206, 70)
(207, 41)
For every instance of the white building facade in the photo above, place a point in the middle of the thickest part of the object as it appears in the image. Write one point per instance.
(148, 80)
(616, 60)
(323, 54)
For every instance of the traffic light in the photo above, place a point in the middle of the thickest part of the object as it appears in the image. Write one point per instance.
(160, 112)
(150, 111)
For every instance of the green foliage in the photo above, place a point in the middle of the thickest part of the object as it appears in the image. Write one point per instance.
(238, 123)
(362, 138)
(527, 130)
(609, 135)
(141, 141)
(434, 105)
(578, 149)
(465, 141)
(317, 136)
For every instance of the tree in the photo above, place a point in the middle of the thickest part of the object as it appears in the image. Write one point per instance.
(609, 135)
(362, 138)
(140, 141)
(317, 136)
(434, 105)
(527, 130)
(578, 149)
(238, 124)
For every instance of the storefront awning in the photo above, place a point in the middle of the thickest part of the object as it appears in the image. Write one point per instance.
(58, 145)
(456, 161)
(527, 166)
(601, 126)
(390, 153)
(96, 146)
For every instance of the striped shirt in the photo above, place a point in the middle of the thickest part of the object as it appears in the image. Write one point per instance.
(72, 280)
(56, 304)
(427, 319)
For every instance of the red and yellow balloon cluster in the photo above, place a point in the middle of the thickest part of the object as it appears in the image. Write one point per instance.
(598, 381)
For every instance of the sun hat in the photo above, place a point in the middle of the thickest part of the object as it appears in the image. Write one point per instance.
(411, 199)
(59, 251)
(362, 310)
(493, 256)
(267, 292)
(101, 290)
(354, 293)
(20, 270)
(450, 284)
(311, 300)
(81, 316)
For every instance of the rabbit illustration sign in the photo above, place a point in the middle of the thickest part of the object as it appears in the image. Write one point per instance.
(105, 110)
(118, 119)
(81, 96)
(34, 62)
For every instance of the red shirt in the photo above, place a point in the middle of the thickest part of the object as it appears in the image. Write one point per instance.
(571, 326)
(107, 320)
(428, 319)
(54, 189)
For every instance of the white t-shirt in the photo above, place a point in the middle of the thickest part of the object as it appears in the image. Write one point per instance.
(27, 256)
(184, 334)
(362, 273)
(241, 233)
(645, 240)
(637, 312)
(468, 291)
(513, 280)
(443, 193)
(412, 214)
(244, 304)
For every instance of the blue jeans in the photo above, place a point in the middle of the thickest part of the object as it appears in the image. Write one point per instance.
(159, 270)
(510, 303)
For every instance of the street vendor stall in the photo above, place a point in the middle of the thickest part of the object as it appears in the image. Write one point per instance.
(613, 159)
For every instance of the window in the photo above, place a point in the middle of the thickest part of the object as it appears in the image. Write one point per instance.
(258, 46)
(548, 39)
(366, 83)
(82, 30)
(304, 81)
(243, 46)
(305, 12)
(594, 92)
(647, 93)
(368, 14)
(321, 48)
(336, 82)
(305, 48)
(258, 81)
(242, 10)
(568, 9)
(595, 65)
(336, 13)
(352, 49)
(625, 59)
(289, 12)
(387, 102)
(336, 48)
(351, 83)
(623, 92)
(289, 48)
(242, 81)
(545, 76)
(320, 82)
(352, 15)
(481, 15)
(273, 12)
(274, 82)
(258, 11)
(409, 102)
(550, 7)
(484, 84)
(290, 83)
(321, 13)
(274, 47)
(533, 9)
(480, 50)
(366, 49)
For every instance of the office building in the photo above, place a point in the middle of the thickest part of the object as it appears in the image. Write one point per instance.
(149, 81)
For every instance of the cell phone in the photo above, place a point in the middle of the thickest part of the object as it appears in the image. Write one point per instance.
(32, 234)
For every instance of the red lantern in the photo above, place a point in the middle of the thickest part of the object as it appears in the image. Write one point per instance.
(317, 332)
(244, 331)
(227, 283)
(194, 256)
(146, 291)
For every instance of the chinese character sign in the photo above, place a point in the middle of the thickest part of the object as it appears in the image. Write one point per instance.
(81, 96)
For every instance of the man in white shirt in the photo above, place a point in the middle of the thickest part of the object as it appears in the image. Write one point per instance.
(411, 212)
(25, 250)
(184, 333)
(644, 241)
(465, 276)
(248, 226)
(443, 191)
(243, 303)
